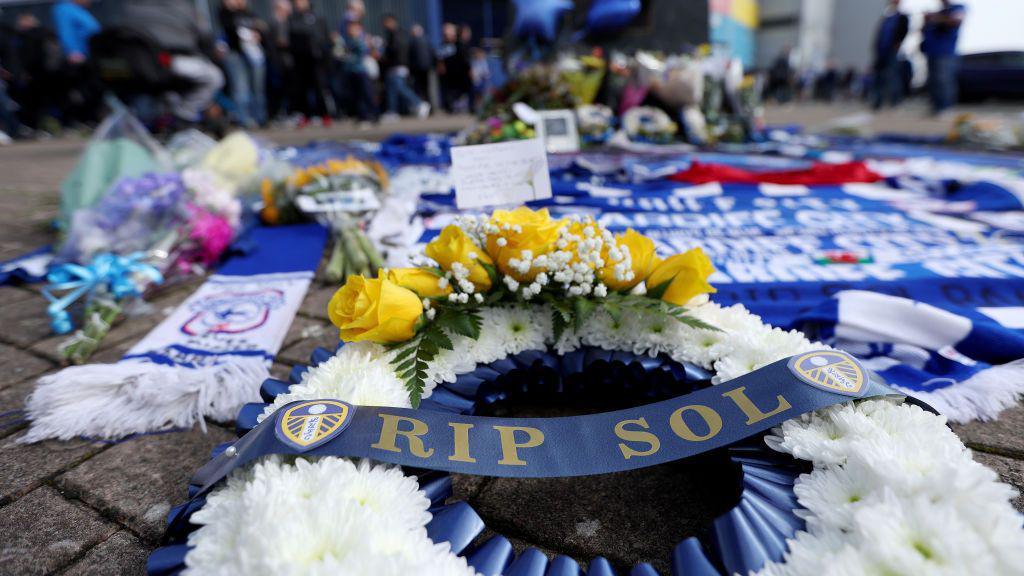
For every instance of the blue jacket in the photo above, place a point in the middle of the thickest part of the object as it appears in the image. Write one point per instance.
(75, 25)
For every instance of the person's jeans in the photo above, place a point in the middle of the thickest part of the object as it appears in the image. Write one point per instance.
(942, 87)
(396, 86)
(241, 84)
(207, 80)
(8, 119)
(887, 88)
(258, 75)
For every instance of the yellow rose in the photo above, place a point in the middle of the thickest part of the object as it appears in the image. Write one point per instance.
(453, 245)
(643, 260)
(423, 282)
(686, 275)
(518, 230)
(374, 310)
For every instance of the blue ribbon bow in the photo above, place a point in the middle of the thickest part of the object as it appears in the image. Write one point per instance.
(120, 275)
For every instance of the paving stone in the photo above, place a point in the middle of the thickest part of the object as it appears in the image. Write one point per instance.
(1002, 436)
(122, 553)
(26, 466)
(12, 404)
(24, 322)
(43, 532)
(19, 365)
(466, 487)
(280, 371)
(315, 304)
(303, 328)
(137, 481)
(628, 517)
(14, 294)
(320, 335)
(1010, 471)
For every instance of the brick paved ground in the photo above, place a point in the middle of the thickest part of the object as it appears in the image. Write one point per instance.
(93, 508)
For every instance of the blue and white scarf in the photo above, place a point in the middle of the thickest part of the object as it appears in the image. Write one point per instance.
(205, 360)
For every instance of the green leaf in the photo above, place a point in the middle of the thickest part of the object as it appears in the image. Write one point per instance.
(464, 322)
(658, 291)
(583, 308)
(680, 314)
(614, 309)
(558, 324)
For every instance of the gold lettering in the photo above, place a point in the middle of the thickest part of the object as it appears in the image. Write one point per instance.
(389, 434)
(636, 436)
(682, 429)
(509, 446)
(461, 431)
(754, 414)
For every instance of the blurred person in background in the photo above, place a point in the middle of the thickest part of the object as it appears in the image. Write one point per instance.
(453, 69)
(279, 59)
(75, 26)
(394, 63)
(307, 37)
(480, 73)
(358, 81)
(8, 119)
(421, 61)
(245, 61)
(35, 58)
(941, 32)
(892, 30)
(781, 76)
(175, 27)
(355, 11)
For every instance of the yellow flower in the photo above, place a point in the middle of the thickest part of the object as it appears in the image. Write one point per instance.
(518, 230)
(423, 282)
(643, 260)
(374, 310)
(686, 275)
(453, 245)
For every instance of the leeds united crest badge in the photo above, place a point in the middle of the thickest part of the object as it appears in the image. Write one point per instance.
(830, 370)
(307, 425)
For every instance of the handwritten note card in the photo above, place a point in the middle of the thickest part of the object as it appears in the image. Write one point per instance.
(501, 173)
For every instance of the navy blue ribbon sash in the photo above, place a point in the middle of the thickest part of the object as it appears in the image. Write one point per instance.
(547, 447)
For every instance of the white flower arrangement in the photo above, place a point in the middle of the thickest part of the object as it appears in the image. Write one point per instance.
(892, 491)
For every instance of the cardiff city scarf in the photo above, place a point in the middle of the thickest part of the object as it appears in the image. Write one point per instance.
(205, 360)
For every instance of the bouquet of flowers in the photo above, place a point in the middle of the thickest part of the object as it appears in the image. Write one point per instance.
(520, 258)
(595, 123)
(538, 86)
(501, 128)
(141, 231)
(648, 124)
(340, 194)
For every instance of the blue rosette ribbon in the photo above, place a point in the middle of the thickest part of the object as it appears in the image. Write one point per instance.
(120, 276)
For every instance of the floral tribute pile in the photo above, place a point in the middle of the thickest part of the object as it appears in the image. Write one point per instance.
(892, 490)
(486, 267)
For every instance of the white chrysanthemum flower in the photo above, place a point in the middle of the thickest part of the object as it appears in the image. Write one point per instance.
(358, 374)
(327, 516)
(913, 535)
(603, 331)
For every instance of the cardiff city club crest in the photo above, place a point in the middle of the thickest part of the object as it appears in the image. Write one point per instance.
(830, 370)
(232, 313)
(307, 425)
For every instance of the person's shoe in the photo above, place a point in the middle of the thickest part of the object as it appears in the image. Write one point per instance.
(423, 110)
(5, 140)
(327, 120)
(303, 122)
(389, 118)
